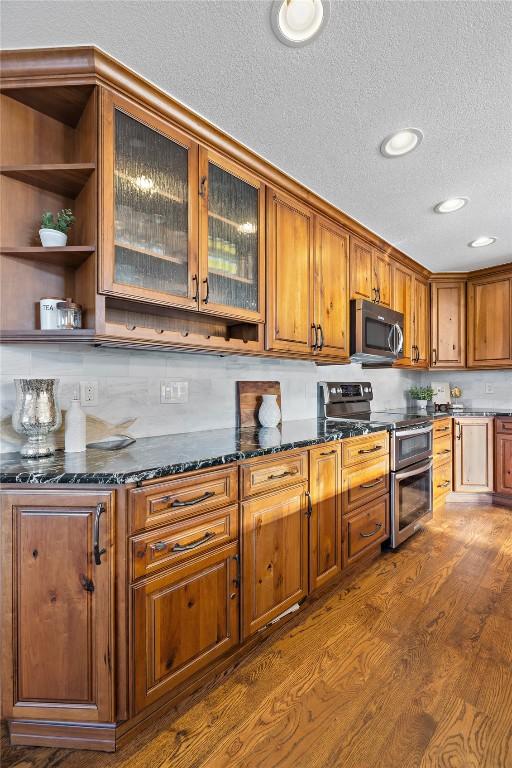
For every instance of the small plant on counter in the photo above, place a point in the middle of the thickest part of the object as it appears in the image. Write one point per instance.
(422, 394)
(54, 232)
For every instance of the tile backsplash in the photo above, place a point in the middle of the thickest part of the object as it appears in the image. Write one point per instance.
(129, 384)
(474, 385)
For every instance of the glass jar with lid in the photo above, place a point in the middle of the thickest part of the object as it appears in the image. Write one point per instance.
(69, 315)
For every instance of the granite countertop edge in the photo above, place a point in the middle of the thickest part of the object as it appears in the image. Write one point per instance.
(51, 476)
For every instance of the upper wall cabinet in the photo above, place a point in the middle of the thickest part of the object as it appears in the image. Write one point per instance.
(421, 307)
(331, 304)
(448, 325)
(410, 296)
(490, 321)
(370, 273)
(402, 302)
(182, 226)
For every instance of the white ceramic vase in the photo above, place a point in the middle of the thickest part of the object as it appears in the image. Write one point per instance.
(422, 404)
(52, 238)
(269, 414)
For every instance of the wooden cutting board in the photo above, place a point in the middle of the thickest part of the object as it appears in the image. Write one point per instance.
(249, 399)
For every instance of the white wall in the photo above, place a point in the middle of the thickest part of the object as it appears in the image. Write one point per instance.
(129, 384)
(473, 384)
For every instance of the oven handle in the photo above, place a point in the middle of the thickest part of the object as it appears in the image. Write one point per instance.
(414, 471)
(409, 432)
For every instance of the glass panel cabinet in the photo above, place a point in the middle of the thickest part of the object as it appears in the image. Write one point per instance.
(231, 238)
(182, 226)
(150, 190)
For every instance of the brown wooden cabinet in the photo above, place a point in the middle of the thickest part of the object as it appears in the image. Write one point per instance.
(331, 303)
(370, 273)
(325, 520)
(183, 620)
(57, 605)
(448, 323)
(421, 311)
(402, 301)
(503, 462)
(490, 321)
(473, 455)
(274, 555)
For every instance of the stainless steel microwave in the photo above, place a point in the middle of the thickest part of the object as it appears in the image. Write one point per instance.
(376, 333)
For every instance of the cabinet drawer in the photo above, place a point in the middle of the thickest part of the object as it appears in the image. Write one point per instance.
(262, 476)
(365, 528)
(185, 496)
(442, 479)
(504, 425)
(442, 428)
(358, 449)
(443, 449)
(363, 482)
(150, 552)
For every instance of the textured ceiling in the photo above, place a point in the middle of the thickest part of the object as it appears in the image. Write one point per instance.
(320, 112)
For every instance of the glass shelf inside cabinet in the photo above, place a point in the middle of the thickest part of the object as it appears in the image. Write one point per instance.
(232, 240)
(151, 209)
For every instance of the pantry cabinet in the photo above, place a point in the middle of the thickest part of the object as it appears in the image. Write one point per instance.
(448, 324)
(490, 321)
(473, 455)
(57, 605)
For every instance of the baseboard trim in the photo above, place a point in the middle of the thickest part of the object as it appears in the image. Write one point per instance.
(100, 737)
(469, 498)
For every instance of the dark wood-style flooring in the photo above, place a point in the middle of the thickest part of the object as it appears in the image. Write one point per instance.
(407, 665)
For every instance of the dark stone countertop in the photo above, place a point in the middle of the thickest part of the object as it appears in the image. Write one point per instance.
(153, 457)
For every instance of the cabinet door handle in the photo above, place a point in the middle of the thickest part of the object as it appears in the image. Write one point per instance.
(283, 474)
(191, 502)
(321, 334)
(202, 186)
(207, 297)
(315, 337)
(193, 544)
(100, 508)
(374, 290)
(434, 356)
(372, 533)
(444, 485)
(309, 511)
(378, 295)
(236, 580)
(459, 431)
(195, 281)
(370, 450)
(372, 485)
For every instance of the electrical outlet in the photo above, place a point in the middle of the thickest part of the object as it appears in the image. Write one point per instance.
(89, 393)
(173, 391)
(489, 389)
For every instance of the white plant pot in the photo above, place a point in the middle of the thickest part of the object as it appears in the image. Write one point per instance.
(422, 404)
(269, 414)
(52, 238)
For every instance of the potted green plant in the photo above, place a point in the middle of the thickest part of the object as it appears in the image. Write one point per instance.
(54, 232)
(423, 395)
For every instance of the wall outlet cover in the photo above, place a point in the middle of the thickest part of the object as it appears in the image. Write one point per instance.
(489, 389)
(173, 391)
(89, 393)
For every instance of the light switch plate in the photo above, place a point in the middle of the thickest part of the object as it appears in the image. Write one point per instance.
(173, 391)
(489, 389)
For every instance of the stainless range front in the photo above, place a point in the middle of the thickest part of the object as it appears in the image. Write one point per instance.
(411, 451)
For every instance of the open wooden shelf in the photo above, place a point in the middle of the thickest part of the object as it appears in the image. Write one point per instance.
(67, 256)
(62, 102)
(66, 179)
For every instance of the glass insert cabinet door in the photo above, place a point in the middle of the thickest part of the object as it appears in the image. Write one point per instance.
(150, 173)
(231, 239)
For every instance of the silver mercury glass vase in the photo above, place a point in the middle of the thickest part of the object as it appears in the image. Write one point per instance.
(36, 414)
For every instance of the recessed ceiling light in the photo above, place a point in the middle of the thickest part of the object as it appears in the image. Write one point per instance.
(297, 22)
(401, 142)
(480, 242)
(451, 205)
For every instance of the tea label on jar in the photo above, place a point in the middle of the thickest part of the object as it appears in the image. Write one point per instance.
(48, 313)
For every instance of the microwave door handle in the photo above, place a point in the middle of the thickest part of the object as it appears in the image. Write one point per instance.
(400, 339)
(391, 339)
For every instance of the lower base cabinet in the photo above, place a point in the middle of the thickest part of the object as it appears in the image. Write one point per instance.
(504, 456)
(365, 528)
(325, 521)
(274, 555)
(473, 455)
(183, 620)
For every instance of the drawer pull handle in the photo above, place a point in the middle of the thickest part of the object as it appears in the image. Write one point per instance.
(445, 450)
(372, 533)
(328, 453)
(443, 429)
(370, 450)
(159, 546)
(193, 544)
(191, 502)
(444, 485)
(372, 485)
(283, 474)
